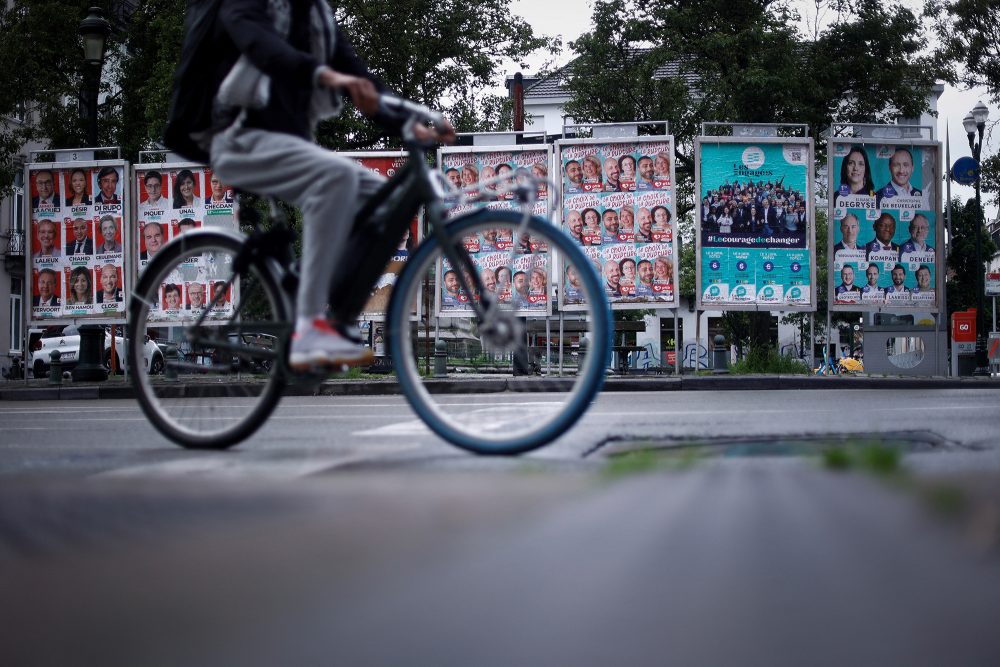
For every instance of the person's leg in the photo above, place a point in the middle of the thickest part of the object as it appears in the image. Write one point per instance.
(329, 190)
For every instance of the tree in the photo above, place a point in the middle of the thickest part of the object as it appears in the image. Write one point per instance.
(43, 73)
(969, 31)
(442, 54)
(965, 275)
(744, 60)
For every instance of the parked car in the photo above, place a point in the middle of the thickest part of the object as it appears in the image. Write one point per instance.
(66, 339)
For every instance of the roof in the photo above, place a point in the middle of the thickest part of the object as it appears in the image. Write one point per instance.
(554, 84)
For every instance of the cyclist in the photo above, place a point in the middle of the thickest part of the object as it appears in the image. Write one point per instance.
(289, 63)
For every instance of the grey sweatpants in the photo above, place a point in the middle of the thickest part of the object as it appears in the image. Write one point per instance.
(327, 188)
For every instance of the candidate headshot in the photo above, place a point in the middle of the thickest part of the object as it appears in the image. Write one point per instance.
(574, 222)
(47, 282)
(855, 174)
(923, 278)
(81, 243)
(849, 230)
(898, 278)
(196, 296)
(152, 236)
(81, 288)
(847, 280)
(872, 274)
(107, 185)
(646, 169)
(78, 188)
(900, 171)
(109, 234)
(185, 225)
(153, 183)
(612, 279)
(920, 229)
(110, 292)
(183, 192)
(626, 164)
(453, 177)
(45, 185)
(574, 173)
(591, 169)
(171, 296)
(612, 174)
(48, 232)
(885, 229)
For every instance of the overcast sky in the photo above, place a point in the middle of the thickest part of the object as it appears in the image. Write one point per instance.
(571, 18)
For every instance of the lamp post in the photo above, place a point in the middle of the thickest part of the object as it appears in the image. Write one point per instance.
(975, 122)
(94, 30)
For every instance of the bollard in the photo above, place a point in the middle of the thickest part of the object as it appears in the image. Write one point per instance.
(440, 359)
(720, 356)
(170, 365)
(55, 367)
(90, 367)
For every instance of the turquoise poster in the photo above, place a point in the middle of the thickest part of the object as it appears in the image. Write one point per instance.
(755, 221)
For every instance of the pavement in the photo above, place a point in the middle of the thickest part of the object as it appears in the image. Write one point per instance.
(468, 383)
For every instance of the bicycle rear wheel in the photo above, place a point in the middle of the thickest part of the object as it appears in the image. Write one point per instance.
(222, 373)
(512, 411)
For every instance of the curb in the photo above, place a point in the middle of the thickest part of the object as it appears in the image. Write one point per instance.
(491, 385)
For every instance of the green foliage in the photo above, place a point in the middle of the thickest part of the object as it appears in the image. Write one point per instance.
(444, 55)
(967, 277)
(767, 360)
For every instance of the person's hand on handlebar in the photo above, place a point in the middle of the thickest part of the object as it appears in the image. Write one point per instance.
(428, 135)
(363, 92)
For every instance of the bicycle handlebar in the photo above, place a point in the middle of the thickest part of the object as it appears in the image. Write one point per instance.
(399, 106)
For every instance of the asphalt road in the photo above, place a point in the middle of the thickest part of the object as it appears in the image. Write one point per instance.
(344, 533)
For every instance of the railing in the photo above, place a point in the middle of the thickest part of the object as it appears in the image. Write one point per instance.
(15, 244)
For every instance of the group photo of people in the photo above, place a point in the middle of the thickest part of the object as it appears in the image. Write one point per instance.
(76, 241)
(758, 208)
(884, 226)
(627, 224)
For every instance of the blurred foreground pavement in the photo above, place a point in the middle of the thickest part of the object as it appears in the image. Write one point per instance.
(731, 562)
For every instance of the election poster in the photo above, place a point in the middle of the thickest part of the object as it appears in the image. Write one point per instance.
(386, 164)
(76, 258)
(885, 229)
(173, 199)
(619, 204)
(755, 224)
(518, 271)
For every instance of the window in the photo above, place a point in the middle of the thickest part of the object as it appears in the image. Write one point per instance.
(16, 313)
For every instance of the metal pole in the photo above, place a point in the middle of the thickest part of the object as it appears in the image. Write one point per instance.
(982, 364)
(677, 344)
(548, 345)
(812, 340)
(562, 343)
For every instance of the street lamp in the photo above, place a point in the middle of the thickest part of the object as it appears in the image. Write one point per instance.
(975, 123)
(94, 30)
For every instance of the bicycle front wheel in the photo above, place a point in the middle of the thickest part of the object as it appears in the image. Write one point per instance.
(206, 370)
(534, 372)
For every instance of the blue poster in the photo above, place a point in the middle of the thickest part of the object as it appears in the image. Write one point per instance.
(884, 225)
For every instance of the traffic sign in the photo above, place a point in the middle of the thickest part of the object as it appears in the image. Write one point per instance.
(965, 171)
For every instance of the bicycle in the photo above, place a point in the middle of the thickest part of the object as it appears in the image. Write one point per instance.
(236, 347)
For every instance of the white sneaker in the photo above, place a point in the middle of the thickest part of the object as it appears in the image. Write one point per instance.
(322, 345)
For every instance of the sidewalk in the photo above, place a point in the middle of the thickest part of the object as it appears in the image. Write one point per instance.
(40, 390)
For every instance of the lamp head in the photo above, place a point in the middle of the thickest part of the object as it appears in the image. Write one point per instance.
(980, 112)
(94, 30)
(969, 123)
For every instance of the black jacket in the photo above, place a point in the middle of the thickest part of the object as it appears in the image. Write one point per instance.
(217, 32)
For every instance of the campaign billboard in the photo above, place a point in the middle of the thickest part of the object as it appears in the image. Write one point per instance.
(755, 224)
(385, 164)
(77, 241)
(172, 199)
(886, 233)
(517, 271)
(619, 204)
